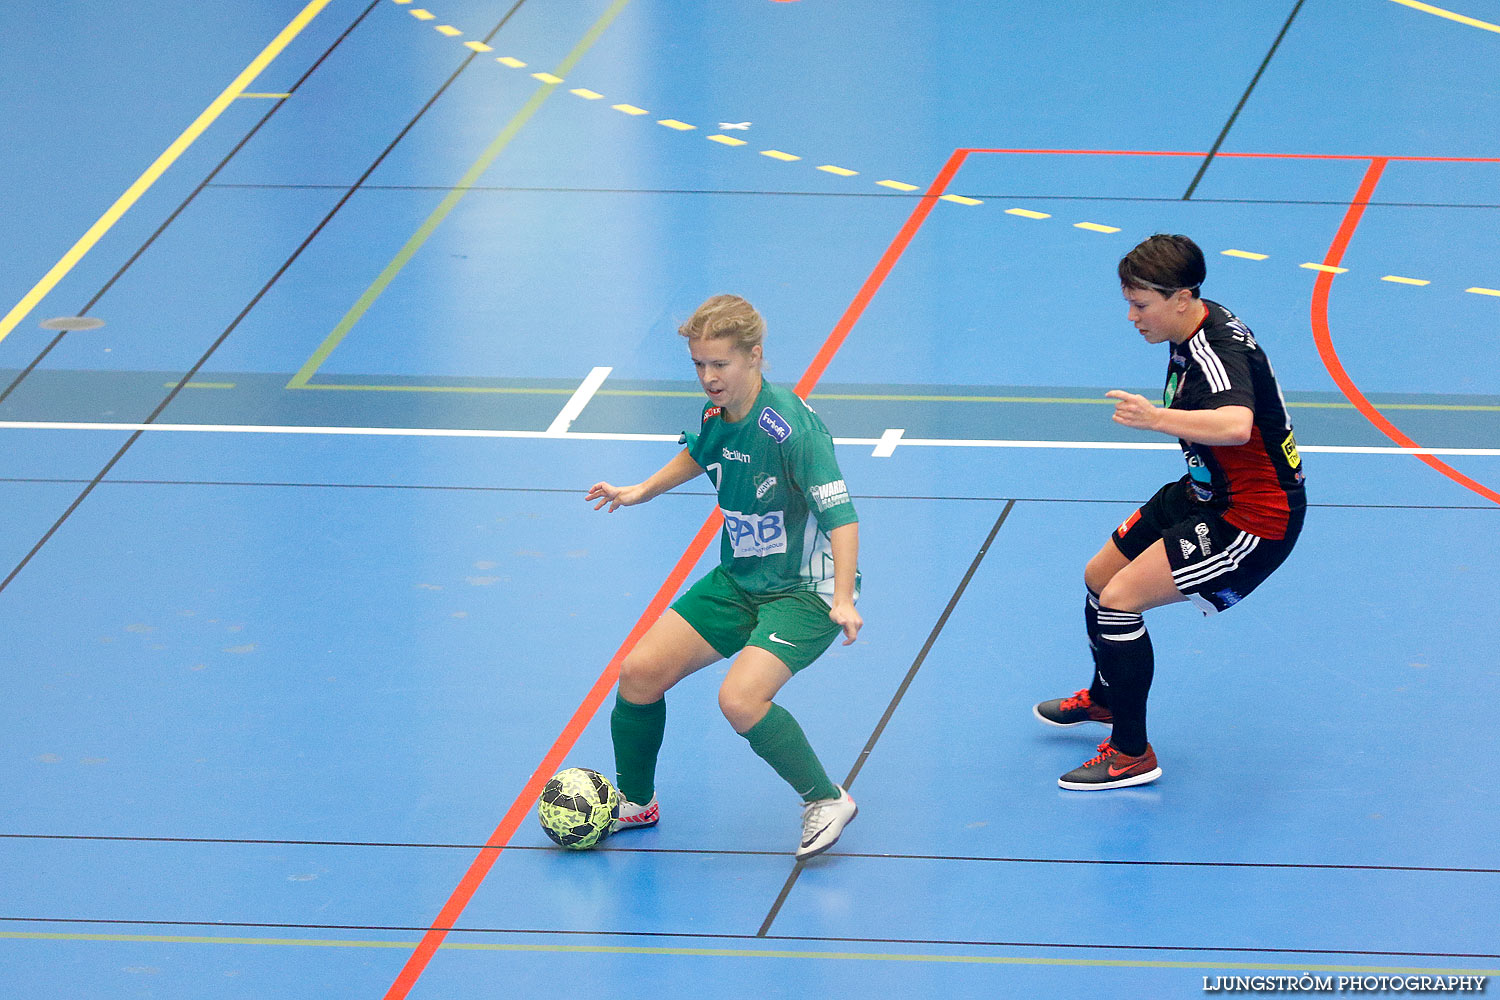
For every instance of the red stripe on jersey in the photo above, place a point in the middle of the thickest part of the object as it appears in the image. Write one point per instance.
(1257, 501)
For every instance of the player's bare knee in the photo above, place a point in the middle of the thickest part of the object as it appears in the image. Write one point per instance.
(641, 680)
(1120, 597)
(1097, 574)
(740, 705)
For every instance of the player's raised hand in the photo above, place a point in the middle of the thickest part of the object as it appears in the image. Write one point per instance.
(1133, 411)
(615, 496)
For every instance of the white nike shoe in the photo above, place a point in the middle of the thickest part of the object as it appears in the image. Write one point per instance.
(823, 821)
(634, 817)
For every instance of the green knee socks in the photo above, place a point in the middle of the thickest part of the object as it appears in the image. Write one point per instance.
(780, 742)
(637, 731)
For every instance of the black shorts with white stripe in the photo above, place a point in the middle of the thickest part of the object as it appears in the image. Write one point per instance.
(1214, 564)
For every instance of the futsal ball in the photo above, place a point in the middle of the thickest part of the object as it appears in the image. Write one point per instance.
(577, 807)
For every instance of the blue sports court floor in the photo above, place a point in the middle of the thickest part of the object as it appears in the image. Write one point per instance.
(303, 602)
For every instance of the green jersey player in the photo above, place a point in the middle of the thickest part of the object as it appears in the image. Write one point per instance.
(785, 585)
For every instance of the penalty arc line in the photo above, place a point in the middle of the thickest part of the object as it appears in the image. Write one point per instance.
(1324, 339)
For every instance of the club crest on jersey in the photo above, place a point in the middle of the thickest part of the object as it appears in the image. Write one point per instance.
(712, 411)
(764, 484)
(775, 425)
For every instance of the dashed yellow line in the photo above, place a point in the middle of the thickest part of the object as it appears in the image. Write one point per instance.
(785, 157)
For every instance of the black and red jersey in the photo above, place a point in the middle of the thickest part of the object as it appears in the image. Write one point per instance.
(1256, 485)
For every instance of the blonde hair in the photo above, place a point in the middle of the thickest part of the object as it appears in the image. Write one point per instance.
(726, 317)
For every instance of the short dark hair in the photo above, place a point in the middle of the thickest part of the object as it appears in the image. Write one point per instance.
(1164, 264)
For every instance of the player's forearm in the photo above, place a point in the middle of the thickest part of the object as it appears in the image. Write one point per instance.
(679, 470)
(844, 540)
(1227, 425)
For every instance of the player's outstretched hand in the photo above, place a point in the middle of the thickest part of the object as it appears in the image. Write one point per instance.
(615, 496)
(846, 618)
(1132, 410)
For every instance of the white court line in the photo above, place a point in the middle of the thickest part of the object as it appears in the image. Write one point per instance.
(888, 441)
(575, 404)
(906, 442)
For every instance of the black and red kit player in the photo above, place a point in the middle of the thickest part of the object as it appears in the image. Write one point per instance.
(1211, 537)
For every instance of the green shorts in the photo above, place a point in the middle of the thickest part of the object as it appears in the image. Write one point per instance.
(794, 627)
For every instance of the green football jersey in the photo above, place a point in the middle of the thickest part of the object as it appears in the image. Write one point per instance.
(780, 490)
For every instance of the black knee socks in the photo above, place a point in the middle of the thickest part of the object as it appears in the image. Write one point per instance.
(1125, 664)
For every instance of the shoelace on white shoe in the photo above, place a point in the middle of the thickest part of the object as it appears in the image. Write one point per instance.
(812, 816)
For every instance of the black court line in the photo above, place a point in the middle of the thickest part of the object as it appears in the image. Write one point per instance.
(254, 301)
(275, 107)
(566, 491)
(1028, 195)
(1214, 150)
(701, 936)
(890, 709)
(708, 852)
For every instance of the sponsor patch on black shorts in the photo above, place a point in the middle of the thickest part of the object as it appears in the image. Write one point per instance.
(1214, 564)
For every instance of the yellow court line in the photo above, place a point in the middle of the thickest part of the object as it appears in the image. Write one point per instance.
(454, 196)
(844, 956)
(1428, 8)
(143, 183)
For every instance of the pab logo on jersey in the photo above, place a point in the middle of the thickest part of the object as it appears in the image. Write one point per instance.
(775, 425)
(755, 535)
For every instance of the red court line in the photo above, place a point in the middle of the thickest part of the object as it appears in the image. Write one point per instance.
(1242, 156)
(1325, 342)
(417, 963)
(1324, 281)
